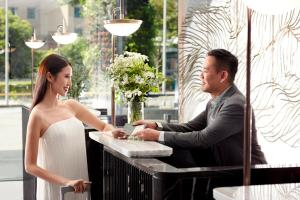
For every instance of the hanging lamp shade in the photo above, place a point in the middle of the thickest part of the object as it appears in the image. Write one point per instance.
(122, 27)
(61, 36)
(64, 38)
(33, 43)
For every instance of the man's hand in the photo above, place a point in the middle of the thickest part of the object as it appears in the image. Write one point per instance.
(148, 134)
(147, 123)
(119, 133)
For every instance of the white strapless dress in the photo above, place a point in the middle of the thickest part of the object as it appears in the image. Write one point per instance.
(62, 151)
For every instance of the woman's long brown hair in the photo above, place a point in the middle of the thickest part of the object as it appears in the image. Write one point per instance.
(52, 63)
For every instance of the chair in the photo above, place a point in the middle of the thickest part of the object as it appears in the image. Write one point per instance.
(29, 181)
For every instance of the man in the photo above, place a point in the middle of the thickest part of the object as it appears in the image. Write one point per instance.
(220, 127)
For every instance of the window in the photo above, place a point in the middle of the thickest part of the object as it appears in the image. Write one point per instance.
(13, 10)
(77, 12)
(78, 31)
(30, 13)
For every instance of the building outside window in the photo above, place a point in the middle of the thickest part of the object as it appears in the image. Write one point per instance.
(44, 16)
(77, 12)
(30, 13)
(79, 31)
(13, 10)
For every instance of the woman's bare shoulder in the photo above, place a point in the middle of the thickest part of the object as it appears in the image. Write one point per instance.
(70, 102)
(76, 107)
(36, 112)
(36, 118)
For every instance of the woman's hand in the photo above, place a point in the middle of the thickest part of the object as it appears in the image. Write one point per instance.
(108, 127)
(79, 185)
(119, 133)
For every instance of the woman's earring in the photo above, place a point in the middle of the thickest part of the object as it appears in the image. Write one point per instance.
(50, 88)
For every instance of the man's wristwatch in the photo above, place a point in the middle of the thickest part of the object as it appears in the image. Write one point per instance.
(159, 126)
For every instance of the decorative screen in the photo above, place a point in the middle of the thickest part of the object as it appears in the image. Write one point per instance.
(275, 68)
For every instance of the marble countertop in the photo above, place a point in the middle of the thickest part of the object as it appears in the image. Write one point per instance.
(132, 148)
(287, 191)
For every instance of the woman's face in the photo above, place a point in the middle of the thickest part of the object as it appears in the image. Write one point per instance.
(62, 82)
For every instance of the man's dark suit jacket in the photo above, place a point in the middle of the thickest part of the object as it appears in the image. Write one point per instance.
(223, 134)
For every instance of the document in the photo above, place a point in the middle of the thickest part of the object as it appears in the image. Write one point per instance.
(131, 130)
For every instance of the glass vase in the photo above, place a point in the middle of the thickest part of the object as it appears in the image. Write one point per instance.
(135, 111)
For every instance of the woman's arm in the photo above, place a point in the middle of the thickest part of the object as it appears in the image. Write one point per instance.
(84, 115)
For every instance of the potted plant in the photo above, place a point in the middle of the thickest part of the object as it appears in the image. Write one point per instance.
(133, 79)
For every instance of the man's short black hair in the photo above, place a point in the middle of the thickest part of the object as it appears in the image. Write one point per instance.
(225, 60)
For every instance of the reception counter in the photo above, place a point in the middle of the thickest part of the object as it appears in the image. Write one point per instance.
(131, 148)
(119, 171)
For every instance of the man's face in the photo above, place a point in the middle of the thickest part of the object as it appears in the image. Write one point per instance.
(211, 78)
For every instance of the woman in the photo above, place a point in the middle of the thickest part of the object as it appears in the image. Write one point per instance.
(55, 144)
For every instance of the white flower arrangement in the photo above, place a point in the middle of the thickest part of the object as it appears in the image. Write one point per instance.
(133, 77)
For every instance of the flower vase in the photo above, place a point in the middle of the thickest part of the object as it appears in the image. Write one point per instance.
(135, 111)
